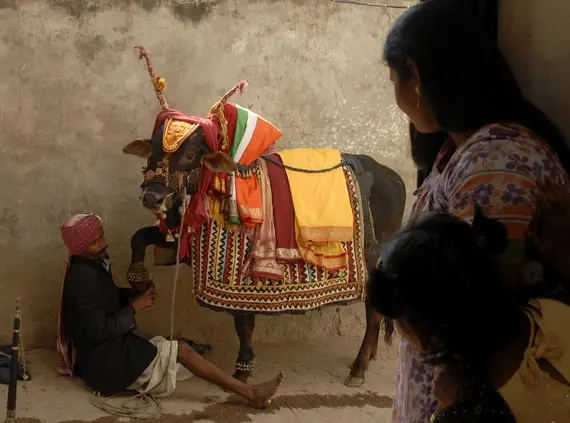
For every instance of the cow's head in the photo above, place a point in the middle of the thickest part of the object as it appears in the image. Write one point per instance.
(174, 156)
(176, 152)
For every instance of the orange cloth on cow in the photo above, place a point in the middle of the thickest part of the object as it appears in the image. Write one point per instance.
(261, 261)
(323, 212)
(249, 201)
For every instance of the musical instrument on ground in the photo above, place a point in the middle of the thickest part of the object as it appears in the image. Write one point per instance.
(15, 369)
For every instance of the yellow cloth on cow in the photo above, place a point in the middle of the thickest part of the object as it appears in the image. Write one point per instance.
(322, 206)
(323, 212)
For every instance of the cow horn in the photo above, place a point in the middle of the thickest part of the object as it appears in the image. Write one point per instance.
(158, 82)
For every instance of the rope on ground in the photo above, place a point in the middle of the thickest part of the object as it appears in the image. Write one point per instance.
(139, 406)
(145, 405)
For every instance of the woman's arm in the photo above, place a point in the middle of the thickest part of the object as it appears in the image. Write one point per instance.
(549, 233)
(503, 196)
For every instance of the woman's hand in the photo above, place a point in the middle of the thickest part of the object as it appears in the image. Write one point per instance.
(445, 389)
(549, 233)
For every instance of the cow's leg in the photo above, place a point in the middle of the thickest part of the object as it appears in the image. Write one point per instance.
(137, 275)
(368, 349)
(372, 256)
(374, 349)
(245, 325)
(387, 203)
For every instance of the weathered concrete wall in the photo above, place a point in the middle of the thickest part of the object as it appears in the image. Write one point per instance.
(72, 93)
(534, 36)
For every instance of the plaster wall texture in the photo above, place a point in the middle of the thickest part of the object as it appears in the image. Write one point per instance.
(73, 94)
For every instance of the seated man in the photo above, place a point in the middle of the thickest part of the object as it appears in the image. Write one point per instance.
(97, 320)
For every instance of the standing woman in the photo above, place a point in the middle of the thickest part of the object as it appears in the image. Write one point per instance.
(449, 77)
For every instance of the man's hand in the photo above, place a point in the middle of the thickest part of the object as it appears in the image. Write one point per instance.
(144, 300)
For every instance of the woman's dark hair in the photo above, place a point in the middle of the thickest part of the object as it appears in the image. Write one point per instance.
(464, 78)
(425, 147)
(442, 276)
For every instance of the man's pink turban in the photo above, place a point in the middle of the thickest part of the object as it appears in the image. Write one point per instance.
(80, 231)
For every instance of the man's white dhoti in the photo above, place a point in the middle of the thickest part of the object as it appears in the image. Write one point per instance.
(153, 380)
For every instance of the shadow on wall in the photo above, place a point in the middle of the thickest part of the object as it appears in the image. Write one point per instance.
(181, 9)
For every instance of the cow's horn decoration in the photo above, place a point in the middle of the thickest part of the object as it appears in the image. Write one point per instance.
(217, 112)
(176, 131)
(158, 82)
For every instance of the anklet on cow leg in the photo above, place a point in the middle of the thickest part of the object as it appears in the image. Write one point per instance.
(245, 365)
(138, 277)
(241, 373)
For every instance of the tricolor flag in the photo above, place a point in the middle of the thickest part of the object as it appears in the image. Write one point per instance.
(253, 135)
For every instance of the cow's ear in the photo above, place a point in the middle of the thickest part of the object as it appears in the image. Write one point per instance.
(219, 162)
(140, 148)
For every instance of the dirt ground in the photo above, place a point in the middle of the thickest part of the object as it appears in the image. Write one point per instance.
(313, 390)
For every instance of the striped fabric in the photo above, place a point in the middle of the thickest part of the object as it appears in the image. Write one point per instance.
(253, 136)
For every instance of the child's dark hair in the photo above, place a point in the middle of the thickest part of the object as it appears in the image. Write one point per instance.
(441, 274)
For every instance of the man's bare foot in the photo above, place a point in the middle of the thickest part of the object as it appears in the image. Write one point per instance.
(261, 394)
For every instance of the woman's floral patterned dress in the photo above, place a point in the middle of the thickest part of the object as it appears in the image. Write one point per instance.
(498, 168)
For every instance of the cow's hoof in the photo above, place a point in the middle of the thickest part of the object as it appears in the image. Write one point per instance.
(354, 381)
(354, 364)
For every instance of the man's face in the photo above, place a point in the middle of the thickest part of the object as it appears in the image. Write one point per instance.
(98, 247)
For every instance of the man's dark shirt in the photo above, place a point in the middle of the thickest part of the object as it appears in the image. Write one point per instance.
(109, 356)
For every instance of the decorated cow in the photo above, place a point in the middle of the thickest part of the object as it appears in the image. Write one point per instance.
(265, 232)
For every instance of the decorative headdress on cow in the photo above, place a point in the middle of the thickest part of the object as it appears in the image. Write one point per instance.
(176, 131)
(234, 135)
